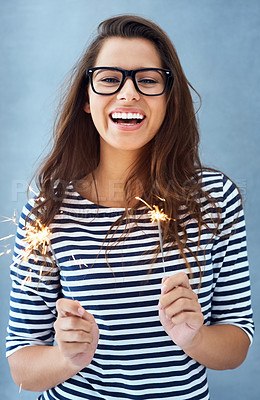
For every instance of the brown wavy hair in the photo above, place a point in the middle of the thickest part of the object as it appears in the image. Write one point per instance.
(169, 165)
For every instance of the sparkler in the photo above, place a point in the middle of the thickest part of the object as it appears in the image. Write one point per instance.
(157, 215)
(37, 237)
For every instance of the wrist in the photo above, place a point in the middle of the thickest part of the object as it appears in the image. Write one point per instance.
(66, 364)
(195, 343)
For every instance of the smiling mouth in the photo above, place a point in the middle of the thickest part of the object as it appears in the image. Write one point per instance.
(127, 118)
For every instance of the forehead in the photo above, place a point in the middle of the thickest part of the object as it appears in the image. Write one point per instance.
(128, 53)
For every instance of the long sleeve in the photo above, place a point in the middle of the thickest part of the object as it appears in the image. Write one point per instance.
(231, 302)
(35, 289)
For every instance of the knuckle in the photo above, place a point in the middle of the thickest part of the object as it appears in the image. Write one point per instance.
(71, 323)
(59, 302)
(182, 303)
(195, 296)
(85, 347)
(182, 291)
(183, 276)
(81, 336)
(56, 326)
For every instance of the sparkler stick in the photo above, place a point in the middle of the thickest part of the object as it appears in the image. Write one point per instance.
(57, 263)
(158, 216)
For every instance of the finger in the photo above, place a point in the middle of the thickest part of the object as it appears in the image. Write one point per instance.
(71, 323)
(182, 306)
(193, 320)
(179, 279)
(86, 315)
(178, 292)
(67, 307)
(78, 336)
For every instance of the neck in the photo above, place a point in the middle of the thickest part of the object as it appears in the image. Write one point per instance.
(109, 178)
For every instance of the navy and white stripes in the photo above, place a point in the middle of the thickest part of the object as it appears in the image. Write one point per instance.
(135, 358)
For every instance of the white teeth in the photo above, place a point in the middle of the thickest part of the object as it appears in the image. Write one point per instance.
(124, 115)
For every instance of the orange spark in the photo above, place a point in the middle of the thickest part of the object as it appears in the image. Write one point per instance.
(155, 213)
(35, 237)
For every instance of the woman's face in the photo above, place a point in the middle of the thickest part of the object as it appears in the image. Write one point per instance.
(130, 135)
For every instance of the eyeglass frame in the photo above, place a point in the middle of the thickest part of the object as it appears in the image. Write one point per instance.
(129, 73)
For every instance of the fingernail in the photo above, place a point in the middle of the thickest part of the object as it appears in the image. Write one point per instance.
(160, 305)
(164, 289)
(81, 311)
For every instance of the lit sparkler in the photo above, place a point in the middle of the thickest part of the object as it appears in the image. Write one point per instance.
(37, 237)
(157, 215)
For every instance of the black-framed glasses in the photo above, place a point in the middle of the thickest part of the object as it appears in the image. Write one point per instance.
(148, 81)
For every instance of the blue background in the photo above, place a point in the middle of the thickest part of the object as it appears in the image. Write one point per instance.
(218, 45)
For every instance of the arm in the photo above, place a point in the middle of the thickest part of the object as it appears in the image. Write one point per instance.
(223, 344)
(39, 368)
(36, 316)
(217, 346)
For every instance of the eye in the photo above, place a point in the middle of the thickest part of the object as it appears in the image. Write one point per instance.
(147, 81)
(149, 78)
(110, 80)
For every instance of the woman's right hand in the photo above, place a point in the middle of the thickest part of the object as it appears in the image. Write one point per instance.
(77, 333)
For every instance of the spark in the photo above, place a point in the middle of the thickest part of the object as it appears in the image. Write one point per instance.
(32, 190)
(157, 215)
(6, 237)
(36, 194)
(80, 262)
(12, 219)
(36, 237)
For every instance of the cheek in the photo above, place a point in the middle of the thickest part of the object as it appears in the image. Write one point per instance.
(159, 114)
(96, 108)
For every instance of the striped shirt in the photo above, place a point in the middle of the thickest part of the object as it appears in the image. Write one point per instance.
(135, 358)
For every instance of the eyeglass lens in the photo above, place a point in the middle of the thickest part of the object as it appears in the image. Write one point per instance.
(151, 82)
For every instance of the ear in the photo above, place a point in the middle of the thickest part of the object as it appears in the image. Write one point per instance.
(86, 108)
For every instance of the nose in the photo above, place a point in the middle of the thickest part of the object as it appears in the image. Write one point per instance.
(128, 92)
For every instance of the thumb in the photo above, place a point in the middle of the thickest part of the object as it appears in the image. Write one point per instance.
(86, 315)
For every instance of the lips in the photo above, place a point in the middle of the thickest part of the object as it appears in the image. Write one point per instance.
(127, 118)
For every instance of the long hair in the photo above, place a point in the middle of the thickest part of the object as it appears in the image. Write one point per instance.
(169, 165)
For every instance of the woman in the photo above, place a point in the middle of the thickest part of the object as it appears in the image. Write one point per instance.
(131, 319)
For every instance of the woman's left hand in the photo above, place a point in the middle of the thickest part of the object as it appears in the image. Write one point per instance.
(179, 310)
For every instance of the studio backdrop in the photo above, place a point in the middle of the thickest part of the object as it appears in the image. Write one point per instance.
(218, 45)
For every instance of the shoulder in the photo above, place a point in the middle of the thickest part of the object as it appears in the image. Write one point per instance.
(218, 185)
(221, 198)
(27, 209)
